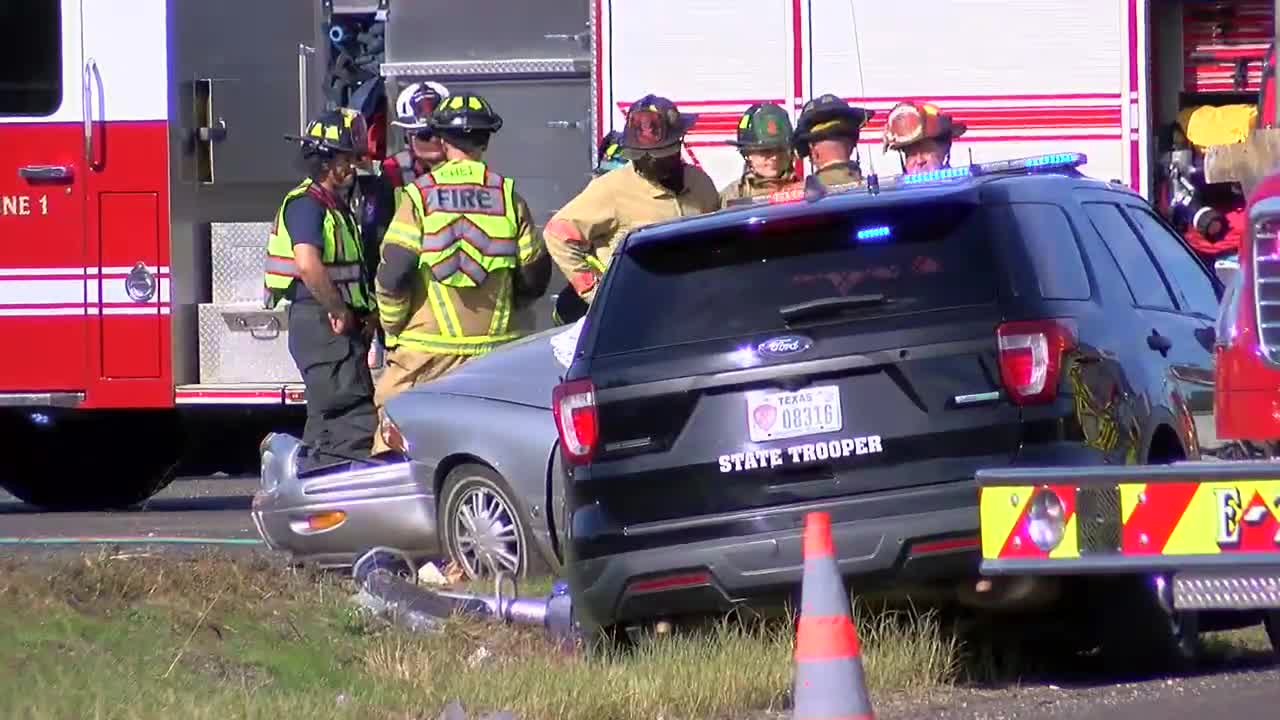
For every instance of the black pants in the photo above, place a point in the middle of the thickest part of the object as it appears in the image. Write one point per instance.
(341, 419)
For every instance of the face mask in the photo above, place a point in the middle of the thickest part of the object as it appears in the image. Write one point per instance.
(665, 171)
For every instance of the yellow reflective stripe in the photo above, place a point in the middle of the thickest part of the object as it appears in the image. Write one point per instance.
(439, 309)
(450, 310)
(594, 263)
(392, 310)
(403, 234)
(502, 308)
(476, 345)
(526, 246)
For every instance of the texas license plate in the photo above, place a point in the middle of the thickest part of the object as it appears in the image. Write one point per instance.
(778, 415)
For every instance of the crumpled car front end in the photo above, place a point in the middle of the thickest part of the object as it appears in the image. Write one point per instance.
(329, 516)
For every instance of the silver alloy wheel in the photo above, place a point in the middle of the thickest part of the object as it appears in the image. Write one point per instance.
(486, 533)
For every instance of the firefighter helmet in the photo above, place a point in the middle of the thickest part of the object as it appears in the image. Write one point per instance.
(465, 112)
(910, 123)
(609, 153)
(655, 126)
(828, 116)
(335, 131)
(415, 104)
(763, 126)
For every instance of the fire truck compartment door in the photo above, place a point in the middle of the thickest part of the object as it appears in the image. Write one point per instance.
(253, 72)
(42, 198)
(488, 30)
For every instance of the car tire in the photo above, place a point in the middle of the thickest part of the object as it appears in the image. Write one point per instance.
(83, 463)
(1140, 636)
(481, 525)
(1272, 624)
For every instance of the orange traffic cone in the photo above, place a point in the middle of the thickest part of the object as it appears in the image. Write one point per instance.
(829, 682)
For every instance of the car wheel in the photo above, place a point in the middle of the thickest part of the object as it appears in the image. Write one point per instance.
(1140, 635)
(1272, 623)
(482, 528)
(91, 463)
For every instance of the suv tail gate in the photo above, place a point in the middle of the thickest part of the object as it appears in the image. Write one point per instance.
(804, 357)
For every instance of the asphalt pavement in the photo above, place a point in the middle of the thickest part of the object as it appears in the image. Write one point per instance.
(216, 509)
(200, 508)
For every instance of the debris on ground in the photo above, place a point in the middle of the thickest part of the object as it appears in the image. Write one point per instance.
(455, 711)
(429, 574)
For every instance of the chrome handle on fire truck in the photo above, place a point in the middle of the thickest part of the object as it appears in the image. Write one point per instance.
(87, 111)
(564, 124)
(46, 173)
(91, 77)
(303, 53)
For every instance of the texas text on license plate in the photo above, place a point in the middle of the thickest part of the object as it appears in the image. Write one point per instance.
(777, 415)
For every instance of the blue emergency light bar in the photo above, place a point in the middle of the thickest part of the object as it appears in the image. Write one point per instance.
(1056, 161)
(874, 233)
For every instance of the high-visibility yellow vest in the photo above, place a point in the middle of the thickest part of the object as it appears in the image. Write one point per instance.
(468, 227)
(468, 223)
(343, 255)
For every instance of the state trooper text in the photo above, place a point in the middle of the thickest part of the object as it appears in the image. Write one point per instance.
(808, 452)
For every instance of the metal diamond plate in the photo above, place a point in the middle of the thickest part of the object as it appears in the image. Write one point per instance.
(238, 253)
(1234, 592)
(242, 343)
(529, 66)
(1098, 519)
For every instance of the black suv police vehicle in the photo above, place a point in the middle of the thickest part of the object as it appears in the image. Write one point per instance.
(863, 353)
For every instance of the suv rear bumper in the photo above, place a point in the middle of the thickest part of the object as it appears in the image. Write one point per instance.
(715, 575)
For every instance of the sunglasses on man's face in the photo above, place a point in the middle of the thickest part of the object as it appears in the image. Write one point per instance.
(424, 135)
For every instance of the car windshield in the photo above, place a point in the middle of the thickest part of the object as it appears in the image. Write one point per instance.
(787, 273)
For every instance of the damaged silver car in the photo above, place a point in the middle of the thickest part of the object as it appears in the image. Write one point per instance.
(469, 479)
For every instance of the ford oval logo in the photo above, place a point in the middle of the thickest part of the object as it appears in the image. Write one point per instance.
(784, 345)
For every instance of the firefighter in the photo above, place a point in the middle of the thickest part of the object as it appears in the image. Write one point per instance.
(609, 153)
(827, 133)
(764, 139)
(315, 260)
(655, 185)
(422, 150)
(461, 254)
(922, 134)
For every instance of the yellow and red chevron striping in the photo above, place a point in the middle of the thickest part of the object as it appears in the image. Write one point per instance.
(1157, 519)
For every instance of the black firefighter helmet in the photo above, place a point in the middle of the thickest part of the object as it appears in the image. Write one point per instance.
(828, 116)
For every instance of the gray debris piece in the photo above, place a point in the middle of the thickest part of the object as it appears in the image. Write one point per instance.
(453, 711)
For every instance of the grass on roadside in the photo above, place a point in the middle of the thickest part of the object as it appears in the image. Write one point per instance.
(136, 637)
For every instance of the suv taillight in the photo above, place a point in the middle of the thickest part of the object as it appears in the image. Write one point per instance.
(574, 406)
(1031, 353)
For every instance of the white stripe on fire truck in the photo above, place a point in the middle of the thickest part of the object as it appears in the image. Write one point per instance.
(54, 292)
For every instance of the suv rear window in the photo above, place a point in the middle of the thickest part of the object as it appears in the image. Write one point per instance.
(894, 260)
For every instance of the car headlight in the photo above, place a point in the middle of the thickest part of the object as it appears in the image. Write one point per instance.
(1046, 519)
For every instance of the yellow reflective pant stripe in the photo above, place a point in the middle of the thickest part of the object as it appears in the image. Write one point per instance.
(595, 264)
(477, 345)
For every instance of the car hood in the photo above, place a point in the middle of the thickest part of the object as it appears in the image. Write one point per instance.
(523, 371)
